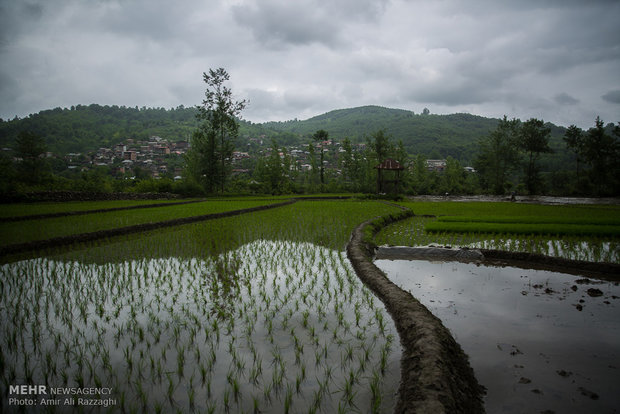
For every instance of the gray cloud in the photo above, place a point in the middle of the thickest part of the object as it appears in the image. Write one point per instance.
(298, 59)
(612, 96)
(565, 99)
(279, 23)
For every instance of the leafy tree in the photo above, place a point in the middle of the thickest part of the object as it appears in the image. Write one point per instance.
(380, 144)
(402, 156)
(7, 174)
(533, 140)
(30, 149)
(272, 172)
(574, 138)
(602, 152)
(498, 155)
(201, 161)
(453, 178)
(212, 142)
(320, 136)
(420, 176)
(351, 166)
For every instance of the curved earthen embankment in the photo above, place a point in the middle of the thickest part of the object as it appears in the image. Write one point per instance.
(121, 231)
(606, 271)
(435, 373)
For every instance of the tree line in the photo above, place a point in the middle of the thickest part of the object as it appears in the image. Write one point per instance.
(509, 159)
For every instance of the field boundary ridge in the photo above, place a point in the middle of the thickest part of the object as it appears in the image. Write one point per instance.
(435, 373)
(121, 231)
(84, 212)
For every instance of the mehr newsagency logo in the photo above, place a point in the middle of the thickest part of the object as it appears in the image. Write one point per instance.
(43, 396)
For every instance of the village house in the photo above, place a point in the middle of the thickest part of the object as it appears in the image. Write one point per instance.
(436, 165)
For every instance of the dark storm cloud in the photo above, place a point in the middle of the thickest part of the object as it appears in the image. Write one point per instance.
(278, 23)
(295, 59)
(612, 96)
(565, 99)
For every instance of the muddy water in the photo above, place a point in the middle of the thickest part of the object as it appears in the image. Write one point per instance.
(538, 341)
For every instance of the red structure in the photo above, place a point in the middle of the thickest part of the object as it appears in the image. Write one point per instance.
(384, 185)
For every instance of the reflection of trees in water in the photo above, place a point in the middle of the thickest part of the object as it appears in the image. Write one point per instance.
(224, 285)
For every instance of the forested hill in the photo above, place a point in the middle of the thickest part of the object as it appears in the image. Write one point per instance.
(87, 128)
(433, 135)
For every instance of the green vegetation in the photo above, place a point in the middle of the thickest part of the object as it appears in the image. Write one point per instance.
(29, 209)
(25, 231)
(509, 155)
(325, 223)
(209, 160)
(599, 221)
(252, 313)
(580, 232)
(85, 128)
(550, 229)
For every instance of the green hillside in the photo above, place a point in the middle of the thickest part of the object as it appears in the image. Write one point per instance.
(87, 128)
(433, 135)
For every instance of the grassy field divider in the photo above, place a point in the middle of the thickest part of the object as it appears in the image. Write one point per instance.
(99, 210)
(121, 231)
(435, 373)
(560, 229)
(598, 221)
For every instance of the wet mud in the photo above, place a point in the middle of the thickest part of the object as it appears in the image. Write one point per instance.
(435, 373)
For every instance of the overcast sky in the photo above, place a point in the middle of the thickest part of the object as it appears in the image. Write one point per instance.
(557, 60)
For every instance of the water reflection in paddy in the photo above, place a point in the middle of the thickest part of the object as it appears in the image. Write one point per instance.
(537, 340)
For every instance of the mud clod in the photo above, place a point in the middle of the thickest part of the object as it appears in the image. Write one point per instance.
(590, 394)
(595, 292)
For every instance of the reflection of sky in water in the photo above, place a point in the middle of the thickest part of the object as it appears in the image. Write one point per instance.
(520, 327)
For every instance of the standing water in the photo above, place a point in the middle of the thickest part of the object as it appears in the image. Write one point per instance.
(539, 341)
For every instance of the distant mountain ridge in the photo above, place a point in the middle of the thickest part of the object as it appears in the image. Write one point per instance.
(86, 128)
(453, 135)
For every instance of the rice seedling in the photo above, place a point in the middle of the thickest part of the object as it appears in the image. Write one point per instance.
(168, 323)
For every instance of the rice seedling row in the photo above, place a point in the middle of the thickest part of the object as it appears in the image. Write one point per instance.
(325, 223)
(25, 231)
(255, 313)
(268, 327)
(551, 229)
(27, 209)
(507, 209)
(591, 220)
(411, 232)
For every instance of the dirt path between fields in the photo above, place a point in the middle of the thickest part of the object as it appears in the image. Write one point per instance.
(435, 373)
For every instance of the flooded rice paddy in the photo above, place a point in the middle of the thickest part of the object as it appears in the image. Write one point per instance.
(270, 327)
(538, 341)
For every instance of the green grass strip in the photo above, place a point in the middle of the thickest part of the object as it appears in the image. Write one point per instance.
(325, 223)
(523, 228)
(599, 221)
(28, 209)
(31, 230)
